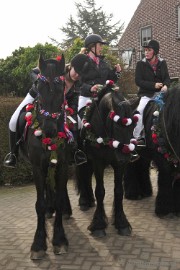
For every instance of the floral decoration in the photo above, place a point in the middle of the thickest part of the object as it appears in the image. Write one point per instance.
(157, 136)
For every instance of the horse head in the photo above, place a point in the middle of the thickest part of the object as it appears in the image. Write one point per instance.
(50, 101)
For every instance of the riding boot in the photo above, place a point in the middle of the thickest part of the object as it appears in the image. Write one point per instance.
(10, 160)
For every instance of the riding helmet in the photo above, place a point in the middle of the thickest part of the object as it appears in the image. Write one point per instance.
(93, 39)
(81, 63)
(152, 44)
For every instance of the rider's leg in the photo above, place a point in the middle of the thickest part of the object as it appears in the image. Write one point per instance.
(11, 158)
(139, 127)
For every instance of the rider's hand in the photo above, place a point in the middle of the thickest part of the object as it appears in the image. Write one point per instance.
(164, 88)
(158, 85)
(118, 68)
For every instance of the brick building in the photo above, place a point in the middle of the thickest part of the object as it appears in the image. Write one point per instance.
(155, 19)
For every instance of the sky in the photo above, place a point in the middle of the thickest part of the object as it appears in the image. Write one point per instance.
(25, 23)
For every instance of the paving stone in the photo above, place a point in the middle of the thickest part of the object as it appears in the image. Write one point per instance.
(154, 244)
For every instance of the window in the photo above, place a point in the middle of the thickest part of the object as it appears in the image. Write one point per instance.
(179, 21)
(146, 35)
(127, 57)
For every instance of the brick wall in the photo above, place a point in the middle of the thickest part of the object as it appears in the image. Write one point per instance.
(162, 16)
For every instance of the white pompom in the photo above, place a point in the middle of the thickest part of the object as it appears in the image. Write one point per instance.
(115, 144)
(38, 132)
(156, 113)
(100, 140)
(116, 118)
(28, 114)
(54, 161)
(129, 121)
(131, 147)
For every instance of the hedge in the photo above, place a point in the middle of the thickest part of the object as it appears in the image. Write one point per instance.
(23, 173)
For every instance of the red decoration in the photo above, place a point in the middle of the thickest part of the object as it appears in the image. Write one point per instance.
(124, 121)
(29, 107)
(62, 135)
(112, 114)
(126, 149)
(58, 58)
(46, 141)
(53, 147)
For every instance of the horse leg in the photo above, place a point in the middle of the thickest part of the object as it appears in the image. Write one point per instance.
(84, 174)
(164, 204)
(99, 221)
(59, 241)
(39, 245)
(50, 199)
(137, 182)
(67, 210)
(120, 221)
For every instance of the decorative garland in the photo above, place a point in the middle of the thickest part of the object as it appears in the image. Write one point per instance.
(49, 143)
(99, 141)
(157, 137)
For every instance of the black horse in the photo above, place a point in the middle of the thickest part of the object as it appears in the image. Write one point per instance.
(46, 146)
(162, 132)
(108, 123)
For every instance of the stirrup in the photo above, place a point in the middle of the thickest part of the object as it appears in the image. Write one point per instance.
(80, 157)
(134, 156)
(10, 160)
(141, 142)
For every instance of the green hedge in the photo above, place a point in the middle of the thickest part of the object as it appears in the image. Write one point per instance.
(23, 173)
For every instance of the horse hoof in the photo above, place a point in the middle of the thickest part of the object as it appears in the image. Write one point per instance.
(164, 216)
(84, 208)
(60, 250)
(37, 255)
(98, 233)
(125, 231)
(66, 216)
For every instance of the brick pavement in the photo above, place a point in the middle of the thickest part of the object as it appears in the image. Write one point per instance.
(154, 244)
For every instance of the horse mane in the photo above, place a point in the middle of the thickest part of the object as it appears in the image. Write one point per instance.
(171, 116)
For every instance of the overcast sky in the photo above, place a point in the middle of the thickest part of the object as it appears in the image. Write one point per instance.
(26, 23)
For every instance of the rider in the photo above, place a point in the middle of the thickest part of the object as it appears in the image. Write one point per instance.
(99, 70)
(72, 74)
(151, 76)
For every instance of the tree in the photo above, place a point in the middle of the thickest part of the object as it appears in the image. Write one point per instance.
(90, 20)
(15, 69)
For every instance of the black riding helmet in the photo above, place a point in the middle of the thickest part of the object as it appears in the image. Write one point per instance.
(93, 39)
(152, 44)
(80, 63)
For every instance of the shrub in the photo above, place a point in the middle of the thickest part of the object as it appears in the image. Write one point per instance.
(23, 173)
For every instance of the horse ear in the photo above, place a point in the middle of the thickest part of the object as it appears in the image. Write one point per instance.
(42, 63)
(61, 65)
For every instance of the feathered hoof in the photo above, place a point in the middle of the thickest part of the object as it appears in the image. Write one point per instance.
(37, 255)
(98, 233)
(133, 197)
(125, 231)
(84, 208)
(165, 216)
(60, 250)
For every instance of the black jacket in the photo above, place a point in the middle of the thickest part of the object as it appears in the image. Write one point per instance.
(97, 75)
(146, 78)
